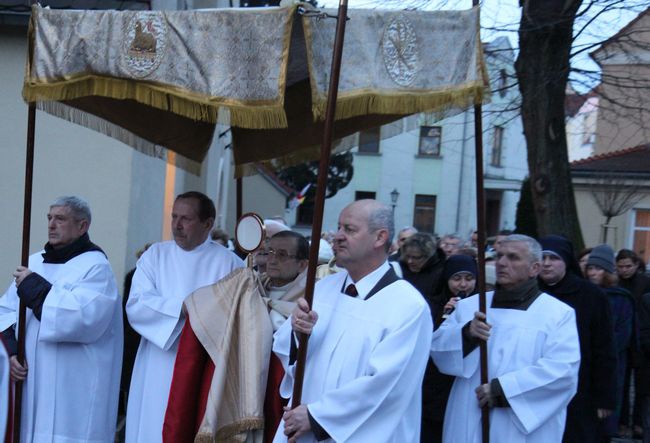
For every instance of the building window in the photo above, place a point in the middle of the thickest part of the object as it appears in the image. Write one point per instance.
(430, 137)
(369, 141)
(497, 145)
(363, 195)
(503, 82)
(424, 214)
(305, 214)
(588, 135)
(641, 235)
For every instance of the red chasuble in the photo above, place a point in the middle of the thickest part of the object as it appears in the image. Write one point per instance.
(193, 372)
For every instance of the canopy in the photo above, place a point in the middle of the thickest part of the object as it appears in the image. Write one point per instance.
(163, 79)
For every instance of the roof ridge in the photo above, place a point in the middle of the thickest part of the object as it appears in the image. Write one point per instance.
(610, 154)
(269, 174)
(620, 32)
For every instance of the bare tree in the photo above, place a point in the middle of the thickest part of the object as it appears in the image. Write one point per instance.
(553, 36)
(615, 195)
(547, 32)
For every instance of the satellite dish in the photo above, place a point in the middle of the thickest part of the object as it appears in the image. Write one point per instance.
(250, 232)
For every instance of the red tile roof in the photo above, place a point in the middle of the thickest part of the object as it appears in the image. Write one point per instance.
(630, 160)
(272, 178)
(573, 102)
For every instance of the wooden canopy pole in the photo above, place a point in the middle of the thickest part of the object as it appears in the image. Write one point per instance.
(480, 227)
(321, 186)
(480, 215)
(24, 261)
(239, 193)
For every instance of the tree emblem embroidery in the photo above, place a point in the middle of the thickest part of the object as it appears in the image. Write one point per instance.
(400, 50)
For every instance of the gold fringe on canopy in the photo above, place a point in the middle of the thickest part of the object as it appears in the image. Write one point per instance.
(243, 67)
(155, 79)
(399, 62)
(364, 103)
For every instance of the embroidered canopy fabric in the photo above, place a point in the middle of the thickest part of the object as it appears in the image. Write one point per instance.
(163, 79)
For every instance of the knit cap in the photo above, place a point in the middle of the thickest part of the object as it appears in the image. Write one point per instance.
(562, 247)
(603, 256)
(459, 263)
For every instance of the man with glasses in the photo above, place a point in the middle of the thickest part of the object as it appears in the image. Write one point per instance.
(287, 259)
(450, 244)
(243, 301)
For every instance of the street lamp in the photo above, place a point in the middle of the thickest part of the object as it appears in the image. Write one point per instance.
(394, 195)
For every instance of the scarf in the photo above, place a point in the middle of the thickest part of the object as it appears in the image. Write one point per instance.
(520, 297)
(68, 252)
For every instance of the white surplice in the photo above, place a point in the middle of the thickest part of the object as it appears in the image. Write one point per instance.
(534, 353)
(165, 275)
(365, 362)
(4, 389)
(74, 353)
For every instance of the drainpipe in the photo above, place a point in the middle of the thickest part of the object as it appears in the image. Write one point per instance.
(462, 169)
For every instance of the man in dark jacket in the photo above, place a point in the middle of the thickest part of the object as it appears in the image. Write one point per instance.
(631, 273)
(595, 398)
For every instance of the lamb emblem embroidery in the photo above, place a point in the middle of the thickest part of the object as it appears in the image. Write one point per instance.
(145, 43)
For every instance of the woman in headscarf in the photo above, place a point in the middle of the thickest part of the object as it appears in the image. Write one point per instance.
(595, 399)
(601, 270)
(458, 281)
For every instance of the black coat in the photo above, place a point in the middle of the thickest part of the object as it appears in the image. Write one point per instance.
(638, 285)
(435, 386)
(643, 318)
(427, 280)
(596, 387)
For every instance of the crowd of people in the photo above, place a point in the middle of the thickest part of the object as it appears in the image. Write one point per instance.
(210, 346)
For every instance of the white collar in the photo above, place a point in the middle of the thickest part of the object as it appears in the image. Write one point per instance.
(368, 282)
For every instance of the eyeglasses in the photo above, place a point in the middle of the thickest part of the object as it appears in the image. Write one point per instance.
(280, 255)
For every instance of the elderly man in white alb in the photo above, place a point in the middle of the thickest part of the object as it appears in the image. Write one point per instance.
(165, 275)
(533, 355)
(370, 334)
(73, 341)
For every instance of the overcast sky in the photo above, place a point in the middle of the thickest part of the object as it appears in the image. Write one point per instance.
(501, 17)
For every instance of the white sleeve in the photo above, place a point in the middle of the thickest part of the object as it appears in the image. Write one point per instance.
(9, 308)
(540, 391)
(156, 318)
(447, 346)
(375, 403)
(82, 309)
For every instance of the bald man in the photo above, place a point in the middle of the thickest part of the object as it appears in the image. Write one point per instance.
(370, 334)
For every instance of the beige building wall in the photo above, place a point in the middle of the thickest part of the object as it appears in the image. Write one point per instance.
(624, 115)
(260, 197)
(68, 160)
(130, 194)
(620, 233)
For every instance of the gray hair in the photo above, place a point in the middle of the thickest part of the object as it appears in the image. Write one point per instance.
(424, 242)
(382, 218)
(453, 236)
(534, 248)
(407, 229)
(78, 206)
